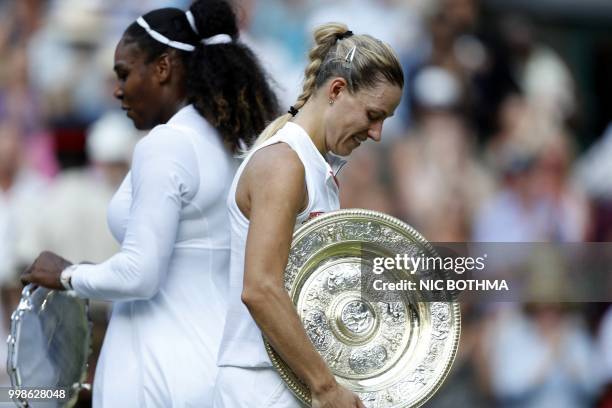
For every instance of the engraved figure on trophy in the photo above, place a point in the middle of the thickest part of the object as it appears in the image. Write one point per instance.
(364, 361)
(318, 330)
(342, 277)
(357, 317)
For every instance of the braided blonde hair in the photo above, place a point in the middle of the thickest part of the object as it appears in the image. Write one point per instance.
(373, 62)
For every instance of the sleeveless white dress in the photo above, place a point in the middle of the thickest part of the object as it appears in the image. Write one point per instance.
(246, 376)
(169, 282)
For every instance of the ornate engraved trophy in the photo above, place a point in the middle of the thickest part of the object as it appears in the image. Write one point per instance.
(393, 349)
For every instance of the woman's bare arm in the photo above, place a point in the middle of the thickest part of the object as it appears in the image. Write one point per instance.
(275, 193)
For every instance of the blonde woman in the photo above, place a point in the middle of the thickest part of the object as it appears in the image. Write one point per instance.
(352, 84)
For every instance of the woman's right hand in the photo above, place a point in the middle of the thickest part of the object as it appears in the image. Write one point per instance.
(46, 271)
(336, 397)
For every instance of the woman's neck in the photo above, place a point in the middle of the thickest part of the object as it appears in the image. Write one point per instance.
(310, 118)
(173, 108)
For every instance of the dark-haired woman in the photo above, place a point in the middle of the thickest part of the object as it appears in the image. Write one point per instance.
(203, 93)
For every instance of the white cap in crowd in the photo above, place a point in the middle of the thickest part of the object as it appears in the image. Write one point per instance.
(436, 87)
(111, 138)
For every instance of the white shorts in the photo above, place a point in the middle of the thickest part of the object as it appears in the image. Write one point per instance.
(239, 387)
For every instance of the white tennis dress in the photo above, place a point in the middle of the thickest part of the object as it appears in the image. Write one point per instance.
(246, 376)
(169, 282)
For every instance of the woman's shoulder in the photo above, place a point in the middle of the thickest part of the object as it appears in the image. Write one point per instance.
(170, 130)
(164, 144)
(275, 173)
(167, 138)
(275, 159)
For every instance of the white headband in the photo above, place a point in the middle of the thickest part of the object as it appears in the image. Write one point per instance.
(162, 38)
(215, 39)
(191, 20)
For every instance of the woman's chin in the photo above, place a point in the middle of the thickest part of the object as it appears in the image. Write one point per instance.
(138, 123)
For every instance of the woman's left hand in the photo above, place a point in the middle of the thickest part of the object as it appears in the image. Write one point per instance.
(46, 270)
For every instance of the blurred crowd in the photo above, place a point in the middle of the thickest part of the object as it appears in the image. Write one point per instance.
(484, 147)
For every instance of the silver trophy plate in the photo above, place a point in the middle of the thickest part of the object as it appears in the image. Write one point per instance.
(393, 352)
(48, 347)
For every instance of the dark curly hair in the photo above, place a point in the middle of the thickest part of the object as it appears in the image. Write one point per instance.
(225, 82)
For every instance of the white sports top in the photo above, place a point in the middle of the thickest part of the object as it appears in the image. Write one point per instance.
(242, 344)
(170, 279)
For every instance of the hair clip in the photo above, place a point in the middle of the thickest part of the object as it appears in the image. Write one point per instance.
(349, 57)
(292, 111)
(344, 35)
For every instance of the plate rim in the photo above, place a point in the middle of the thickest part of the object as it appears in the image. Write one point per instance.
(24, 307)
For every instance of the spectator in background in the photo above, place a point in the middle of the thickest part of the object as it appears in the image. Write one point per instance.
(605, 349)
(18, 20)
(571, 212)
(539, 71)
(17, 98)
(516, 213)
(537, 200)
(514, 120)
(81, 195)
(476, 58)
(437, 178)
(542, 355)
(21, 188)
(593, 172)
(62, 54)
(21, 191)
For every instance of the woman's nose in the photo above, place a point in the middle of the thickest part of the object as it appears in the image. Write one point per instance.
(118, 93)
(375, 131)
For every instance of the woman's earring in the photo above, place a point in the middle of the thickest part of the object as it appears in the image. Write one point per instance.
(331, 101)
